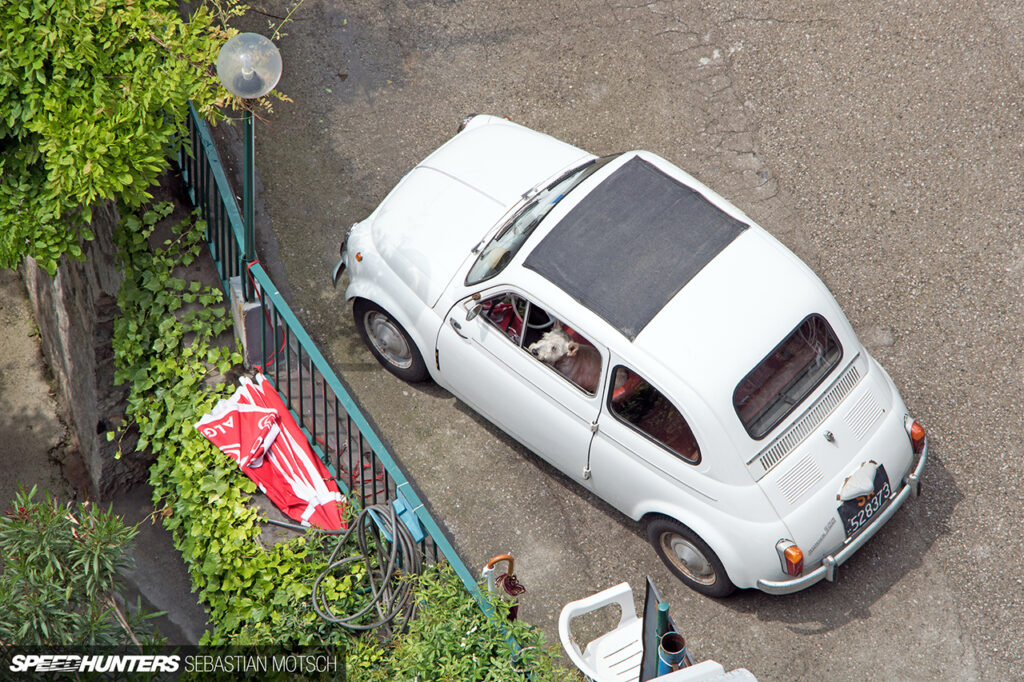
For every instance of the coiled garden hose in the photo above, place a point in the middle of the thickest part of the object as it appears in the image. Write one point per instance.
(391, 599)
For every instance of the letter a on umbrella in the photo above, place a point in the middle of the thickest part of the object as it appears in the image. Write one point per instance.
(255, 428)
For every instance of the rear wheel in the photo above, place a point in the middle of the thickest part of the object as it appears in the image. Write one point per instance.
(389, 342)
(688, 557)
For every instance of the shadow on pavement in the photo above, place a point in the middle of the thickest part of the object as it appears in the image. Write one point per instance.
(897, 550)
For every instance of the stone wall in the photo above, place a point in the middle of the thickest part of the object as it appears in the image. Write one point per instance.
(75, 312)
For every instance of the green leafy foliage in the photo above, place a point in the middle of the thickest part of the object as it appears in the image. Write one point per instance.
(93, 96)
(59, 576)
(162, 338)
(166, 349)
(452, 640)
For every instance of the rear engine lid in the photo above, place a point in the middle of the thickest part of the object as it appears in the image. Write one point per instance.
(825, 439)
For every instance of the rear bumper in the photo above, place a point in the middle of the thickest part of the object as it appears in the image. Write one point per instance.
(830, 564)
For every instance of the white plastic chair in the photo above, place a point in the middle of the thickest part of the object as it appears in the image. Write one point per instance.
(614, 656)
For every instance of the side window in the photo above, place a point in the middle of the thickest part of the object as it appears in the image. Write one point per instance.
(506, 313)
(639, 404)
(546, 338)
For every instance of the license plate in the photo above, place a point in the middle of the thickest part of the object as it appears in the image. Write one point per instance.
(859, 511)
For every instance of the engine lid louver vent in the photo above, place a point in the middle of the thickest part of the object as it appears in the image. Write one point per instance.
(801, 479)
(763, 462)
(863, 415)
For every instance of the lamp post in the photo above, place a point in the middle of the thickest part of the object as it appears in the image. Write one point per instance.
(249, 66)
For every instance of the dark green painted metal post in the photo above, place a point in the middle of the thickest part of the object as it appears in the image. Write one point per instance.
(662, 624)
(248, 201)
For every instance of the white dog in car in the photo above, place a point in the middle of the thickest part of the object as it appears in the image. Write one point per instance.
(577, 362)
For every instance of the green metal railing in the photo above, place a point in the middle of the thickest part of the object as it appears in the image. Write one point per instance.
(210, 192)
(338, 432)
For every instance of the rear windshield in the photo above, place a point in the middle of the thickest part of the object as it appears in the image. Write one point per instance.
(782, 380)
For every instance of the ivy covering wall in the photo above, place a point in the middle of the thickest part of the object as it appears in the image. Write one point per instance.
(92, 95)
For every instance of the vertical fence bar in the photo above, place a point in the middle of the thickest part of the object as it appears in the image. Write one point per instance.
(221, 230)
(337, 439)
(209, 220)
(263, 337)
(362, 471)
(183, 152)
(227, 251)
(323, 398)
(214, 224)
(194, 164)
(278, 344)
(201, 183)
(288, 359)
(218, 244)
(348, 446)
(204, 189)
(312, 399)
(298, 361)
(373, 477)
(233, 262)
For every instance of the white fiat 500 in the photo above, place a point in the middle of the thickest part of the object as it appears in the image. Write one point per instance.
(630, 326)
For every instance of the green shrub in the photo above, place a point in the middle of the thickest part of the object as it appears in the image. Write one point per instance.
(452, 640)
(59, 576)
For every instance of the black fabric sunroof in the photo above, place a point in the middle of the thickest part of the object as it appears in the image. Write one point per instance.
(631, 244)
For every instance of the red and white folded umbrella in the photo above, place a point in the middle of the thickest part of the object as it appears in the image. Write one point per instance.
(255, 428)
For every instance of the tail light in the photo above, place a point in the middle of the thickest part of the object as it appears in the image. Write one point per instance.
(792, 557)
(916, 433)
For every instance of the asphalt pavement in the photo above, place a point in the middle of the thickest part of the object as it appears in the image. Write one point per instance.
(37, 450)
(32, 436)
(882, 142)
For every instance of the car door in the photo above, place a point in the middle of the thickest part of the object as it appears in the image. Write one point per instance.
(484, 359)
(644, 446)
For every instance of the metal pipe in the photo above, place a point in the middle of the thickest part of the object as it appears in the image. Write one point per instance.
(248, 199)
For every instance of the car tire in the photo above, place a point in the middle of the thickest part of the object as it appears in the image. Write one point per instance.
(688, 557)
(389, 342)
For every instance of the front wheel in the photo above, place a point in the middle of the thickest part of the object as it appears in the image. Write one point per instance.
(688, 557)
(389, 342)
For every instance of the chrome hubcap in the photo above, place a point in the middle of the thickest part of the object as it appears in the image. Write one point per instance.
(688, 559)
(387, 339)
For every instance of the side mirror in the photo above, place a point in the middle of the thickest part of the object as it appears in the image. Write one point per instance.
(474, 311)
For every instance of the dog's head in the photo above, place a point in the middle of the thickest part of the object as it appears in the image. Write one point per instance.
(553, 346)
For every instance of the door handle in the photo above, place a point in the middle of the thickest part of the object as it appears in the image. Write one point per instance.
(457, 327)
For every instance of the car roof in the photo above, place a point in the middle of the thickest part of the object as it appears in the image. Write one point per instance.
(632, 243)
(748, 295)
(743, 304)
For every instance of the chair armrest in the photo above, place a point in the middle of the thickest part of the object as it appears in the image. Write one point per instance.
(572, 650)
(621, 594)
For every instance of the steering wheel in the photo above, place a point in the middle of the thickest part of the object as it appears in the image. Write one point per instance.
(541, 325)
(545, 324)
